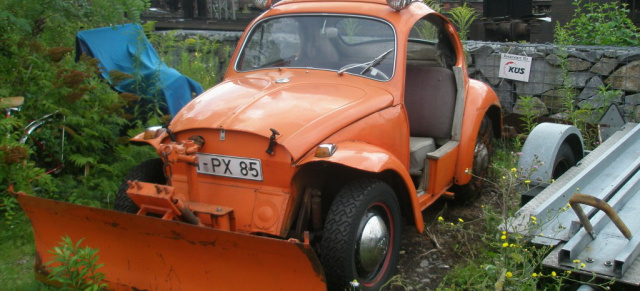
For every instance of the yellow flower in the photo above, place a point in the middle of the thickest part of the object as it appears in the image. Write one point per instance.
(504, 245)
(504, 232)
(534, 218)
(569, 272)
(569, 205)
(512, 245)
(460, 219)
(452, 224)
(534, 275)
(514, 170)
(582, 265)
(509, 275)
(503, 237)
(576, 261)
(504, 178)
(527, 181)
(553, 180)
(553, 273)
(564, 209)
(440, 218)
(481, 206)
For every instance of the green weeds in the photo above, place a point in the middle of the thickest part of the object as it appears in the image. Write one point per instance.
(75, 267)
(501, 260)
(598, 24)
(463, 16)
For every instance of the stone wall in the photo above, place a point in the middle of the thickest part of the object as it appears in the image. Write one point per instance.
(578, 72)
(558, 73)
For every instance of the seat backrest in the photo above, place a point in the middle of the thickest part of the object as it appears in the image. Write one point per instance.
(429, 97)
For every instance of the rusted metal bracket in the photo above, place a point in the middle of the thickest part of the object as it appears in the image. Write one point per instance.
(182, 152)
(161, 200)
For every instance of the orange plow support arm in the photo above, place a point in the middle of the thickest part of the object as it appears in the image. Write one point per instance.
(147, 253)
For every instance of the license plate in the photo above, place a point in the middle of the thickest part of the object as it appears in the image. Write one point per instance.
(228, 166)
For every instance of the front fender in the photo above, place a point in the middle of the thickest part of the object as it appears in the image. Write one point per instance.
(366, 157)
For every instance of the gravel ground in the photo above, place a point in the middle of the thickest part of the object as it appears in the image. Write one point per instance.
(425, 258)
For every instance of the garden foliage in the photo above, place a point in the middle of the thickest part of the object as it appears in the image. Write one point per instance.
(76, 267)
(598, 24)
(37, 62)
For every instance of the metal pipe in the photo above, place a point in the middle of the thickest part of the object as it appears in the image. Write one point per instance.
(579, 198)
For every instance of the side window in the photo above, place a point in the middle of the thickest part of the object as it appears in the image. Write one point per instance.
(424, 30)
(430, 44)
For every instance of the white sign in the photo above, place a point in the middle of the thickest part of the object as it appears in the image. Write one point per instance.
(515, 67)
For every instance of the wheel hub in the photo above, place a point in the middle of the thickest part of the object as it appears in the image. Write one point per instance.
(374, 243)
(481, 154)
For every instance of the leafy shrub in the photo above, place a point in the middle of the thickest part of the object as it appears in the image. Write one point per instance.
(75, 267)
(463, 16)
(36, 62)
(598, 24)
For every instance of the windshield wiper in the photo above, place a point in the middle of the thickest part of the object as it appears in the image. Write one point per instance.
(367, 65)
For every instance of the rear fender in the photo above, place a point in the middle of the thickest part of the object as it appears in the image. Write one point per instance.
(366, 157)
(480, 101)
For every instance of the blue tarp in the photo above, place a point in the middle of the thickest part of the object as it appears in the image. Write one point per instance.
(124, 47)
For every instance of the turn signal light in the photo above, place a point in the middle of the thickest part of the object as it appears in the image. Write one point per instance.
(262, 4)
(153, 132)
(399, 4)
(325, 150)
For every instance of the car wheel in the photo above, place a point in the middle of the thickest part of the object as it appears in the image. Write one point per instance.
(361, 237)
(481, 160)
(149, 171)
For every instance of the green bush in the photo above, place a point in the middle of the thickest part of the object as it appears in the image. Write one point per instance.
(463, 16)
(598, 24)
(75, 267)
(36, 62)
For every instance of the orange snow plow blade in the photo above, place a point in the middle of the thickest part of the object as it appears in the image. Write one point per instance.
(147, 253)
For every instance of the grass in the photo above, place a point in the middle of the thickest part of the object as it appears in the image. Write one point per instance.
(16, 256)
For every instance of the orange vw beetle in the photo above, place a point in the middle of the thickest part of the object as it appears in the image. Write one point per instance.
(336, 123)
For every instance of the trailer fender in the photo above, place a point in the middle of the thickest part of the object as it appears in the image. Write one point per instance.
(549, 151)
(366, 157)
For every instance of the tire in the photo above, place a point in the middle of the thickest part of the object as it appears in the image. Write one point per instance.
(481, 161)
(364, 204)
(565, 159)
(148, 171)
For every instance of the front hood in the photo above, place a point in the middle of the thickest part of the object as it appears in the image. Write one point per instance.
(304, 111)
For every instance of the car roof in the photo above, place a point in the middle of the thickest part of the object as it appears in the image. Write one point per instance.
(384, 2)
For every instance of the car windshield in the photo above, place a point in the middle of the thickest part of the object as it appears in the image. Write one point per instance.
(345, 44)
